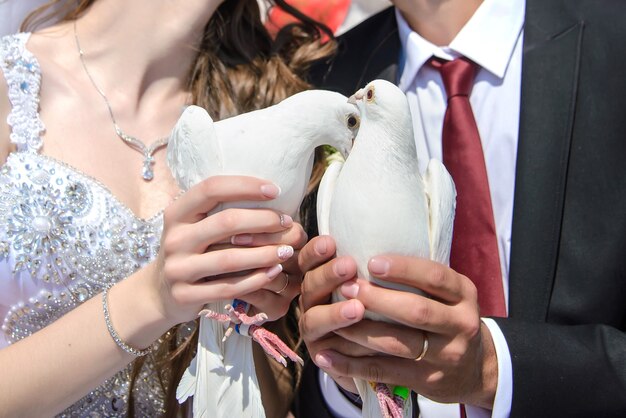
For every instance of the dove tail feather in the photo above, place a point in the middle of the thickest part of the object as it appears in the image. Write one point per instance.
(187, 385)
(222, 377)
(371, 407)
(240, 394)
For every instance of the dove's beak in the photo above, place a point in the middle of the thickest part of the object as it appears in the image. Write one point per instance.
(356, 96)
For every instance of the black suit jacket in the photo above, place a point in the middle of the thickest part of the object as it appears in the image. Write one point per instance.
(567, 310)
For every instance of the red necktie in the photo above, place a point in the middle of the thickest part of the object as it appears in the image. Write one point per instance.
(474, 245)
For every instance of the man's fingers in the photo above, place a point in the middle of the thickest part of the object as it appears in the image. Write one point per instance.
(433, 278)
(410, 309)
(384, 369)
(323, 319)
(383, 337)
(319, 250)
(343, 346)
(319, 283)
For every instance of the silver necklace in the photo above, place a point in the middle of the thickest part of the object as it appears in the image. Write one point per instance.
(147, 171)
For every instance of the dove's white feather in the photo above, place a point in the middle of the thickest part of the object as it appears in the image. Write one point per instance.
(276, 144)
(187, 385)
(210, 365)
(324, 196)
(378, 203)
(442, 203)
(192, 151)
(239, 362)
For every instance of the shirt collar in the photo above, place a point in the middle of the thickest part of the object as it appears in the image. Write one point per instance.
(488, 39)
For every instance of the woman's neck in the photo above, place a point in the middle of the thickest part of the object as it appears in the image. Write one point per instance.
(437, 21)
(142, 46)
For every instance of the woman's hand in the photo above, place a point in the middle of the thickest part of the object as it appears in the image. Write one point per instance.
(234, 253)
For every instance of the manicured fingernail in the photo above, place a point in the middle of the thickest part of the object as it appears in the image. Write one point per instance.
(272, 272)
(348, 310)
(321, 247)
(270, 190)
(340, 268)
(284, 252)
(243, 239)
(323, 361)
(350, 290)
(285, 220)
(379, 265)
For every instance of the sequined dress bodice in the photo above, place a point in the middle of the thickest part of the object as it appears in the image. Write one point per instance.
(63, 237)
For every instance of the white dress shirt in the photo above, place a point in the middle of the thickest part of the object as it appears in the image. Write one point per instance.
(493, 39)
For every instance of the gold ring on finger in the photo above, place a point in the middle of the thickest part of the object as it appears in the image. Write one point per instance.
(424, 347)
(278, 292)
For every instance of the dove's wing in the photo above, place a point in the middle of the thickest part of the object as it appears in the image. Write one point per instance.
(325, 195)
(193, 150)
(441, 194)
(206, 366)
(187, 385)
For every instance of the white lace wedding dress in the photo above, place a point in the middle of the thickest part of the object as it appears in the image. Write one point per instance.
(63, 237)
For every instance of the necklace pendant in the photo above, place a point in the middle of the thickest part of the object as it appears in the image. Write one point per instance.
(147, 172)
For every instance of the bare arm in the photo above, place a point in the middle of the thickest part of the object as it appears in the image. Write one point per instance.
(64, 361)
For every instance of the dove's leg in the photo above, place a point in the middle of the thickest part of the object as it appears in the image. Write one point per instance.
(273, 345)
(238, 315)
(249, 326)
(221, 317)
(207, 313)
(391, 406)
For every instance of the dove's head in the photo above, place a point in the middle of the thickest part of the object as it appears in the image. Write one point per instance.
(324, 117)
(382, 103)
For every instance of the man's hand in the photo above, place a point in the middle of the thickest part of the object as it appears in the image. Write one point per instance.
(323, 275)
(460, 364)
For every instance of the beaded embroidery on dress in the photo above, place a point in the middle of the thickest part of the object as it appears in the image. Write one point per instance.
(63, 237)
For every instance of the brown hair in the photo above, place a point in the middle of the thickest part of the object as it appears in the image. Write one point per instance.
(239, 67)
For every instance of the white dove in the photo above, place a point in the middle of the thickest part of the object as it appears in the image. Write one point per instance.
(276, 144)
(378, 203)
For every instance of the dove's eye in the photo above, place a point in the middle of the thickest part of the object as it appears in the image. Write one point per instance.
(370, 94)
(352, 121)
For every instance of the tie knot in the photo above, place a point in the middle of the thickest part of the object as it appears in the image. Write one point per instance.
(457, 75)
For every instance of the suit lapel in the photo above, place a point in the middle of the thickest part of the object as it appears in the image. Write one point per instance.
(552, 47)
